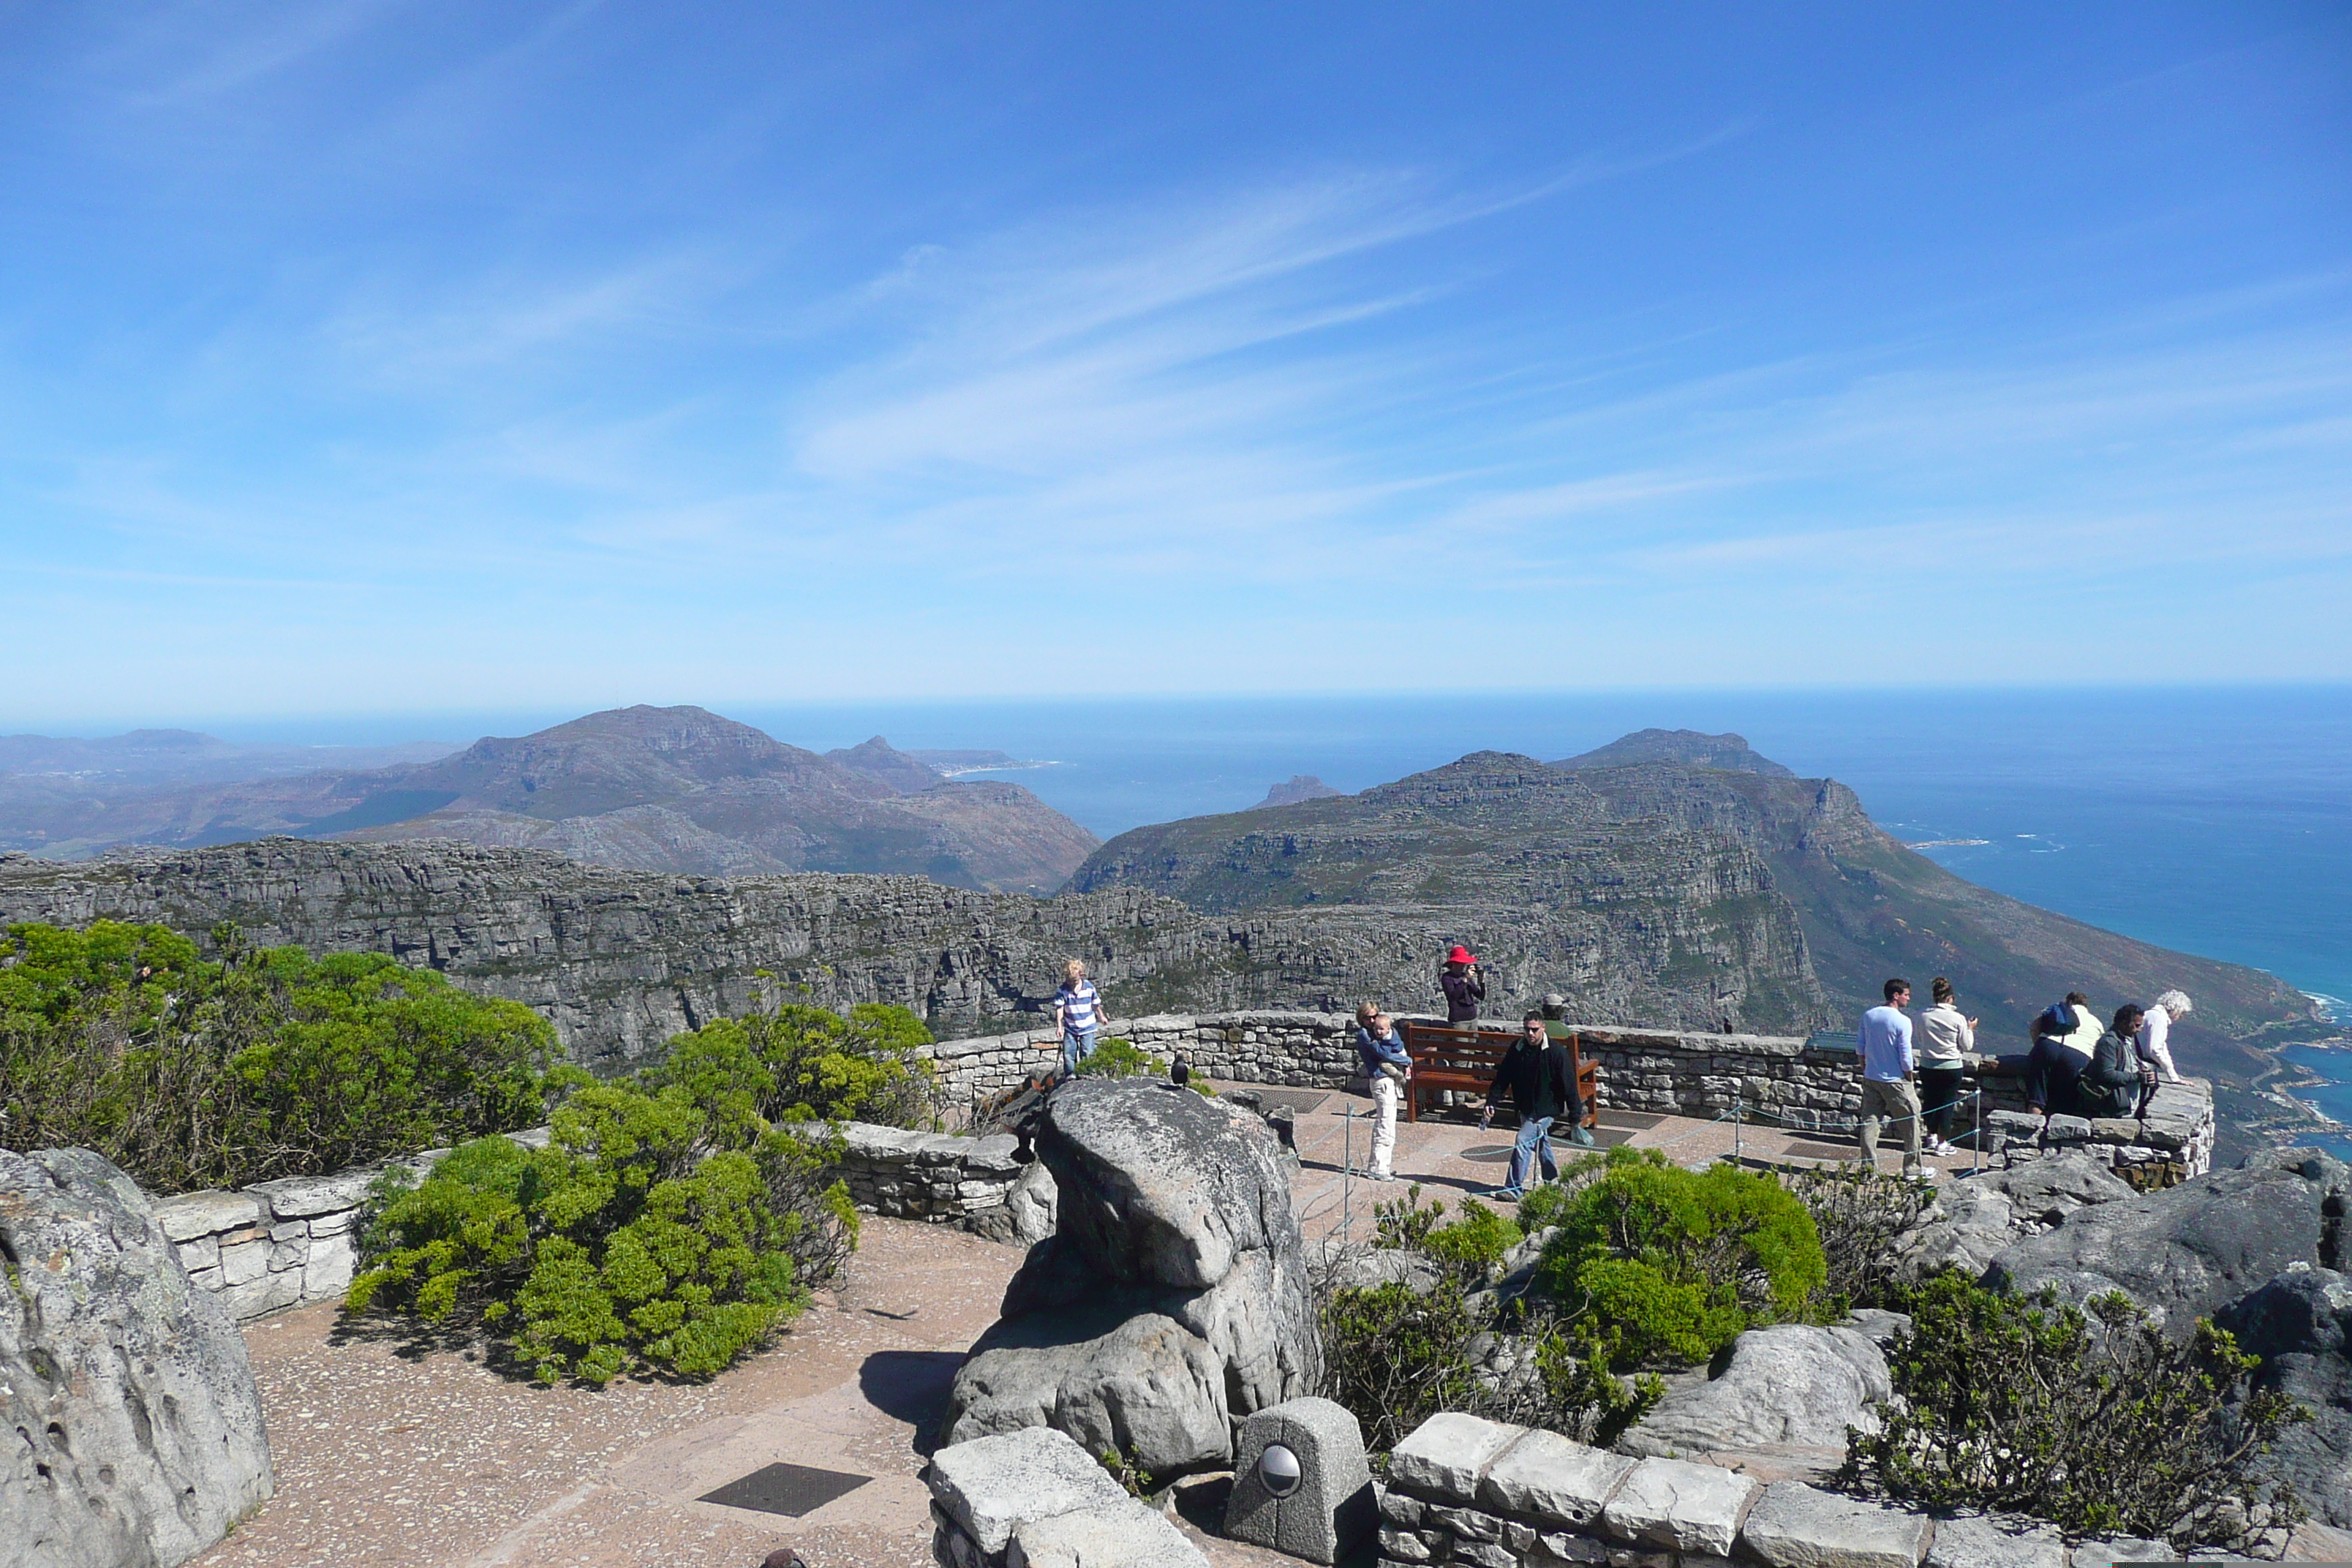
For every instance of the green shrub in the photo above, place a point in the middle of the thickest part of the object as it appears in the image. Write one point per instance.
(1404, 1224)
(1659, 1265)
(1859, 1214)
(2025, 1405)
(1394, 1356)
(189, 1073)
(1114, 1057)
(1473, 1243)
(805, 1064)
(656, 1231)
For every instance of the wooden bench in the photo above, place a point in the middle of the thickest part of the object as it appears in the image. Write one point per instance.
(1463, 1061)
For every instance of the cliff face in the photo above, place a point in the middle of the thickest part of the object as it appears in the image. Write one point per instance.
(1873, 909)
(1536, 871)
(619, 961)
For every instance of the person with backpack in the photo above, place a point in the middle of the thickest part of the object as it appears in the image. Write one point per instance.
(1387, 1068)
(1534, 1073)
(1463, 986)
(2063, 1035)
(2116, 1081)
(1946, 1036)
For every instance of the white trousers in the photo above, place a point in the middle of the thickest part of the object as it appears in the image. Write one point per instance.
(1385, 1090)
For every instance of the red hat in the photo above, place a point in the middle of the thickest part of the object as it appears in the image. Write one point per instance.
(1460, 954)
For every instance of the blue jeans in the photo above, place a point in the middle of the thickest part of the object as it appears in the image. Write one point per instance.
(1534, 1143)
(1078, 1045)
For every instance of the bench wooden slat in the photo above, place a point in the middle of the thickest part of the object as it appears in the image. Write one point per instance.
(1463, 1060)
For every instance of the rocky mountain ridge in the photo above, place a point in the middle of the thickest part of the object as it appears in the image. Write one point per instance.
(1495, 833)
(667, 789)
(620, 960)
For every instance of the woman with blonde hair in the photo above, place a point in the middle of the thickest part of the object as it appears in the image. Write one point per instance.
(1387, 1068)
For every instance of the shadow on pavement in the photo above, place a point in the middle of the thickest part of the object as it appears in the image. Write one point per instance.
(911, 1386)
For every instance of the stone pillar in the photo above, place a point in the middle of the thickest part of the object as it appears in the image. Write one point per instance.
(1331, 1506)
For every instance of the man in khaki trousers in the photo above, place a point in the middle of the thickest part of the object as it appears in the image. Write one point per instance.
(1888, 1088)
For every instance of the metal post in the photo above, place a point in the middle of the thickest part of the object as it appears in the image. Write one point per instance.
(1737, 1150)
(1347, 1180)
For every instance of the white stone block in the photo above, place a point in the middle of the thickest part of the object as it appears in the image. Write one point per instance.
(1677, 1504)
(1447, 1454)
(1792, 1525)
(1545, 1476)
(244, 1262)
(192, 1214)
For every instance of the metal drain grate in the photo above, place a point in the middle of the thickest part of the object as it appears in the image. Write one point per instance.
(1298, 1101)
(1823, 1152)
(1637, 1121)
(789, 1490)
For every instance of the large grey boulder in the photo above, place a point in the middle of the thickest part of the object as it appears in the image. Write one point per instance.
(2301, 1325)
(1790, 1385)
(2183, 1253)
(1977, 1218)
(136, 1425)
(1172, 1300)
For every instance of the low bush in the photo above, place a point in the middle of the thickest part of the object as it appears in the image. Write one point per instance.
(1115, 1057)
(191, 1073)
(1394, 1354)
(1658, 1264)
(799, 1063)
(662, 1231)
(2098, 1423)
(1859, 1215)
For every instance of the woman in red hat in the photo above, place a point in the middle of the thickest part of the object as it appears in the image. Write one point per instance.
(1465, 986)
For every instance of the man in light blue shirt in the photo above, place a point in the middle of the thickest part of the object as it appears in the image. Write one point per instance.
(1887, 1091)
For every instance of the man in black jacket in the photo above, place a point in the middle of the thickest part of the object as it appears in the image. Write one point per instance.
(1535, 1073)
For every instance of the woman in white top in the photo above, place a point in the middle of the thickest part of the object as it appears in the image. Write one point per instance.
(2155, 1031)
(1945, 1036)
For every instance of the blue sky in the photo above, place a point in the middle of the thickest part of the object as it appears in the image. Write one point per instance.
(367, 356)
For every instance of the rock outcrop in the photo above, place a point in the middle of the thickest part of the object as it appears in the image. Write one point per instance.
(1173, 1300)
(1790, 1386)
(136, 1428)
(1977, 1218)
(2183, 1253)
(2301, 1325)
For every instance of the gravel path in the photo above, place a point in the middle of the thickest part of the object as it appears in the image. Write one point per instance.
(386, 1458)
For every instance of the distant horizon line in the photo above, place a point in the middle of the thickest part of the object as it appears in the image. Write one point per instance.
(533, 714)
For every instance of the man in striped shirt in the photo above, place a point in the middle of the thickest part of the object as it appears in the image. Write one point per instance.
(1078, 1016)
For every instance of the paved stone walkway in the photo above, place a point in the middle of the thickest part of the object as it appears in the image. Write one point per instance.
(1451, 1159)
(386, 1456)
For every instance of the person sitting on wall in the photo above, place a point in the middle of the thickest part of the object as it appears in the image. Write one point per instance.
(1463, 985)
(1534, 1073)
(1388, 1068)
(2116, 1081)
(2064, 1032)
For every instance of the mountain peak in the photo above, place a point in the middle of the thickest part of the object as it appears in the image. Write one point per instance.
(877, 759)
(1690, 748)
(1301, 786)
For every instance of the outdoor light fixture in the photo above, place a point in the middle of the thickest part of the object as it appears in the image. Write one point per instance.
(1277, 1470)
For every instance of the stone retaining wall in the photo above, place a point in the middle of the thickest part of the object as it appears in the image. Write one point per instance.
(1464, 1490)
(281, 1244)
(1777, 1079)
